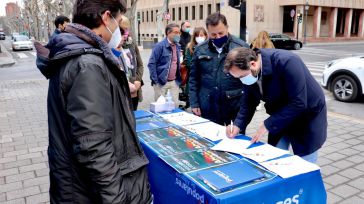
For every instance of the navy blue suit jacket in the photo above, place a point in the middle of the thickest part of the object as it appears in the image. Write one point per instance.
(293, 99)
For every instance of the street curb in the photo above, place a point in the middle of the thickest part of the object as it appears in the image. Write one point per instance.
(332, 43)
(9, 60)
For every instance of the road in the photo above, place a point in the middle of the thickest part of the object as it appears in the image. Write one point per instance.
(24, 132)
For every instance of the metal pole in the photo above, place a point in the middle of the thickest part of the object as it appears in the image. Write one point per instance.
(306, 13)
(139, 32)
(167, 10)
(298, 26)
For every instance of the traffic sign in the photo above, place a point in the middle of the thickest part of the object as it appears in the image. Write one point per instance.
(167, 16)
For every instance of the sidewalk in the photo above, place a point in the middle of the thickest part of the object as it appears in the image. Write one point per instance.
(6, 59)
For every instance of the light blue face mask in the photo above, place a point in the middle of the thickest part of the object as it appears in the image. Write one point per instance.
(249, 79)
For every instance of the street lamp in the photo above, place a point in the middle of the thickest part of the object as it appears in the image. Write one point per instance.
(299, 20)
(307, 7)
(60, 4)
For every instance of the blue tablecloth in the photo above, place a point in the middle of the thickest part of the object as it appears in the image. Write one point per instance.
(169, 186)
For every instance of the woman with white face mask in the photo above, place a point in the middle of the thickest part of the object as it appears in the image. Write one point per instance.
(199, 36)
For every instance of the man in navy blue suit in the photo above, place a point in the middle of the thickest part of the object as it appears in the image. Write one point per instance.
(293, 99)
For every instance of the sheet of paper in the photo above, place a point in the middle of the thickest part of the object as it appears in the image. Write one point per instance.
(209, 130)
(236, 146)
(290, 166)
(183, 118)
(263, 153)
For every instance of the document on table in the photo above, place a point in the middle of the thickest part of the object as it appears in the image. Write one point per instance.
(290, 166)
(236, 146)
(183, 118)
(209, 130)
(263, 153)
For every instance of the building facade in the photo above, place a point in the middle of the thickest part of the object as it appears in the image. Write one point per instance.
(321, 20)
(12, 10)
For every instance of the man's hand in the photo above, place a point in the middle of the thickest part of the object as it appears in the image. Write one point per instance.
(260, 133)
(232, 131)
(132, 88)
(196, 111)
(137, 84)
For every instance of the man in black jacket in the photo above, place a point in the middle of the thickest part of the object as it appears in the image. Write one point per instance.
(185, 36)
(215, 95)
(94, 153)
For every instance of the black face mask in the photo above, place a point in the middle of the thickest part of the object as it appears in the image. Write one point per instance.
(219, 42)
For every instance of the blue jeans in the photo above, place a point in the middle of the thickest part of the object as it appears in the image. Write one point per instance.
(284, 143)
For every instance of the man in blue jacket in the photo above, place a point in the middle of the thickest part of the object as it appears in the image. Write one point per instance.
(293, 99)
(215, 95)
(60, 22)
(164, 64)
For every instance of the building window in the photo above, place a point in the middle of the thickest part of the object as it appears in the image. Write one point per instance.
(173, 14)
(201, 12)
(151, 35)
(193, 12)
(179, 13)
(218, 7)
(156, 15)
(151, 16)
(186, 13)
(147, 16)
(143, 16)
(208, 9)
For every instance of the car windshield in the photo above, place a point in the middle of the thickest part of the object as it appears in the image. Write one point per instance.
(21, 38)
(286, 37)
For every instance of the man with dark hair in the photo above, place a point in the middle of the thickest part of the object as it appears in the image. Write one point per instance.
(60, 22)
(185, 35)
(164, 64)
(214, 94)
(94, 152)
(293, 99)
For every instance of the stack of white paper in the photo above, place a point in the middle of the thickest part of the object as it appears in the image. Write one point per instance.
(209, 130)
(236, 146)
(183, 118)
(263, 153)
(290, 166)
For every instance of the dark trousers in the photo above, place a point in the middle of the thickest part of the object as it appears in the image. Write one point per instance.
(135, 102)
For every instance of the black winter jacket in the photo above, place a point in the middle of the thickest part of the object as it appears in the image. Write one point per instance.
(216, 93)
(94, 153)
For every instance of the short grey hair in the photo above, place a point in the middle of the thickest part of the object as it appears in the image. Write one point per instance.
(170, 27)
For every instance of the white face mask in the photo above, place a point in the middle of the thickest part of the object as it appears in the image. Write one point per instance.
(200, 40)
(115, 36)
(249, 79)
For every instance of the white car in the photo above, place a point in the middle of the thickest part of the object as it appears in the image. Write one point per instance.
(344, 78)
(22, 42)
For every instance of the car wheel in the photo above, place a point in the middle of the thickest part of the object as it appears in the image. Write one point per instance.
(297, 46)
(344, 88)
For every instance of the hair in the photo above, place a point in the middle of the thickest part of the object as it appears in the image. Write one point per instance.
(183, 23)
(262, 41)
(215, 18)
(170, 27)
(88, 12)
(240, 57)
(125, 22)
(60, 20)
(196, 32)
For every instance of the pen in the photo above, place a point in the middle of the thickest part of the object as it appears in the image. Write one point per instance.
(231, 126)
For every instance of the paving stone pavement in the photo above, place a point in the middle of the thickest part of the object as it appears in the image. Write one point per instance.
(23, 147)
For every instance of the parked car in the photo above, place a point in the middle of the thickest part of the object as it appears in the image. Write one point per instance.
(2, 36)
(344, 78)
(282, 41)
(22, 42)
(13, 35)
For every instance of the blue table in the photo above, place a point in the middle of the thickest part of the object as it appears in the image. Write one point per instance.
(169, 186)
